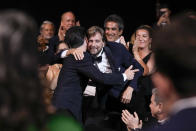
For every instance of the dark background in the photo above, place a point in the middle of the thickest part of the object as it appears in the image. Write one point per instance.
(93, 12)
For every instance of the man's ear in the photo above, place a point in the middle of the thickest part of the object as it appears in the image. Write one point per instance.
(120, 32)
(86, 39)
(160, 106)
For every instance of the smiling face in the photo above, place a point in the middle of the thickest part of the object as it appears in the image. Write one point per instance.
(112, 31)
(67, 20)
(47, 31)
(95, 44)
(143, 37)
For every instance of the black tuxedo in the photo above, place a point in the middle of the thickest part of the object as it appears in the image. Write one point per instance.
(73, 79)
(121, 59)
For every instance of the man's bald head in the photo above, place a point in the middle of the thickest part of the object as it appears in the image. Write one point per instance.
(68, 20)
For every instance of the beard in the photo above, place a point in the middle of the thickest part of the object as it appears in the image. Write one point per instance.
(94, 50)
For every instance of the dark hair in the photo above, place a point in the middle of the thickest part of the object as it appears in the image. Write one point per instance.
(115, 18)
(21, 102)
(75, 36)
(175, 53)
(147, 28)
(164, 5)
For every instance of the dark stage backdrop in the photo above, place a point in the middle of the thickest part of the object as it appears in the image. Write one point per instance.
(93, 12)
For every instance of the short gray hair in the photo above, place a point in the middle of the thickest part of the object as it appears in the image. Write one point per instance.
(157, 98)
(46, 22)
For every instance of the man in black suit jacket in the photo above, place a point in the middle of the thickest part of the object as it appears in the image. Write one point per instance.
(118, 59)
(175, 53)
(74, 75)
(115, 57)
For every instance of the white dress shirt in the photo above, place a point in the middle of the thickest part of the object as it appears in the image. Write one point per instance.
(118, 40)
(104, 65)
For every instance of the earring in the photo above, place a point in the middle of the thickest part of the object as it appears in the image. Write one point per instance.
(149, 46)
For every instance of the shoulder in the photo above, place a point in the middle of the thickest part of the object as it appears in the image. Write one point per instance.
(54, 39)
(87, 57)
(114, 45)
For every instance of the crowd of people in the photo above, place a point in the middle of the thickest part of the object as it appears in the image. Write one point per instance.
(81, 79)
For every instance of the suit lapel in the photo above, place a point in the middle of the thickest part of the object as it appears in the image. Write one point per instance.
(110, 57)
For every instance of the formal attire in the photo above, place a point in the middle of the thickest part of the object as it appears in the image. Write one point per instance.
(182, 117)
(115, 57)
(144, 94)
(51, 56)
(73, 79)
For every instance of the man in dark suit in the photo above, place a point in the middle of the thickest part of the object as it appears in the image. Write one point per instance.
(175, 53)
(74, 75)
(115, 57)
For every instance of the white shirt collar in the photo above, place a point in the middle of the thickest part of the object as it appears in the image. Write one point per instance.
(162, 121)
(184, 104)
(118, 40)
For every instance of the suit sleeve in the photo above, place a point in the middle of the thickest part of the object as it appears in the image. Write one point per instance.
(128, 60)
(53, 58)
(87, 68)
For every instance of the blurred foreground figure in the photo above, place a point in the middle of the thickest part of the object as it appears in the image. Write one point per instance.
(20, 93)
(22, 106)
(175, 52)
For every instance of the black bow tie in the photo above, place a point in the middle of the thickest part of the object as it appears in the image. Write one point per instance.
(97, 59)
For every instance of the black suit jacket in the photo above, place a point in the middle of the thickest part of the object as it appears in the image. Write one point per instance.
(52, 57)
(73, 79)
(120, 59)
(184, 120)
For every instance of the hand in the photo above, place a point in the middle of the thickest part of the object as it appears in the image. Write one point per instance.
(131, 121)
(135, 45)
(122, 41)
(61, 33)
(130, 73)
(135, 50)
(127, 95)
(163, 19)
(77, 53)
